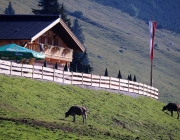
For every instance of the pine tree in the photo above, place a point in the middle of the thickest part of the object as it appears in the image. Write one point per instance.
(80, 59)
(64, 16)
(56, 66)
(66, 67)
(80, 62)
(134, 79)
(45, 64)
(77, 30)
(52, 7)
(47, 7)
(9, 10)
(130, 78)
(106, 72)
(119, 75)
(87, 69)
(76, 70)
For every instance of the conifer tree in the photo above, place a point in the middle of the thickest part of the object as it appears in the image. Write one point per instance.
(75, 70)
(47, 7)
(56, 66)
(9, 10)
(52, 7)
(77, 30)
(66, 67)
(64, 16)
(80, 59)
(119, 75)
(45, 64)
(130, 77)
(87, 69)
(80, 62)
(106, 72)
(134, 79)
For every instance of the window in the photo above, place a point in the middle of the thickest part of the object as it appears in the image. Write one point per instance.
(56, 42)
(42, 39)
(50, 41)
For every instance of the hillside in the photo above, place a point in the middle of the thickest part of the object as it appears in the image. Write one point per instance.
(32, 109)
(117, 41)
(161, 11)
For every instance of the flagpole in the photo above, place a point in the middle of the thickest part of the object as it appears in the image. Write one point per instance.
(151, 63)
(151, 73)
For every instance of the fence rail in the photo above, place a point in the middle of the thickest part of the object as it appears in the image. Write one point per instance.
(74, 78)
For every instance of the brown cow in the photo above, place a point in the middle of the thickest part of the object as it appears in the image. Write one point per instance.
(77, 110)
(172, 107)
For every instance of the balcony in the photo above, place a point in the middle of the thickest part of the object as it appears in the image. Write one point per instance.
(53, 52)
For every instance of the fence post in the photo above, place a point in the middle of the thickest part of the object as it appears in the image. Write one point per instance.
(143, 89)
(42, 72)
(91, 79)
(53, 73)
(133, 86)
(128, 85)
(109, 82)
(11, 68)
(71, 77)
(152, 92)
(21, 69)
(33, 72)
(82, 78)
(149, 91)
(63, 76)
(100, 81)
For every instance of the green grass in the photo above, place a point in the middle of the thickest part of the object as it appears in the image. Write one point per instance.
(121, 32)
(31, 109)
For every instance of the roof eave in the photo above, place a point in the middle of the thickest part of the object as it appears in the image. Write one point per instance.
(72, 36)
(59, 20)
(45, 30)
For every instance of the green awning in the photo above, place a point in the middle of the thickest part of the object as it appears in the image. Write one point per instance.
(16, 52)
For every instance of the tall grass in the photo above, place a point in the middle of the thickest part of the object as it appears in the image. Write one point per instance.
(122, 42)
(35, 110)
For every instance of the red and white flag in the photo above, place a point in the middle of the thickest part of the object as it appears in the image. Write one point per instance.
(152, 29)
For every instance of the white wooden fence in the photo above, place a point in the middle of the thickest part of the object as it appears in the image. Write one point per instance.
(74, 78)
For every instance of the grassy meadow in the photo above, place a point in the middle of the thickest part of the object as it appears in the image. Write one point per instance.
(32, 109)
(117, 41)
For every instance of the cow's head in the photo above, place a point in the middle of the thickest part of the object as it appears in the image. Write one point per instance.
(164, 108)
(66, 114)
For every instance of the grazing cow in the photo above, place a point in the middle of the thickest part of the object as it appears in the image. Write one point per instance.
(172, 107)
(77, 110)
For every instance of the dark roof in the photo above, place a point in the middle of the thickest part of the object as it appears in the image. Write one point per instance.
(28, 27)
(23, 26)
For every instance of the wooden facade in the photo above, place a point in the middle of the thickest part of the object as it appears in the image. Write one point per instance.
(52, 47)
(54, 38)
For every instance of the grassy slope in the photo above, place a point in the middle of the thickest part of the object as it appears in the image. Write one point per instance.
(122, 32)
(35, 110)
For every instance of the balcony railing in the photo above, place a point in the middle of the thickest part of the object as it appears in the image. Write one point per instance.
(53, 52)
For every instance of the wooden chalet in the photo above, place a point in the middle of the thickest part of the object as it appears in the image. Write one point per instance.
(47, 34)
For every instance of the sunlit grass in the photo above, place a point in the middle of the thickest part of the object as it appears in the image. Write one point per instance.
(118, 31)
(111, 116)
